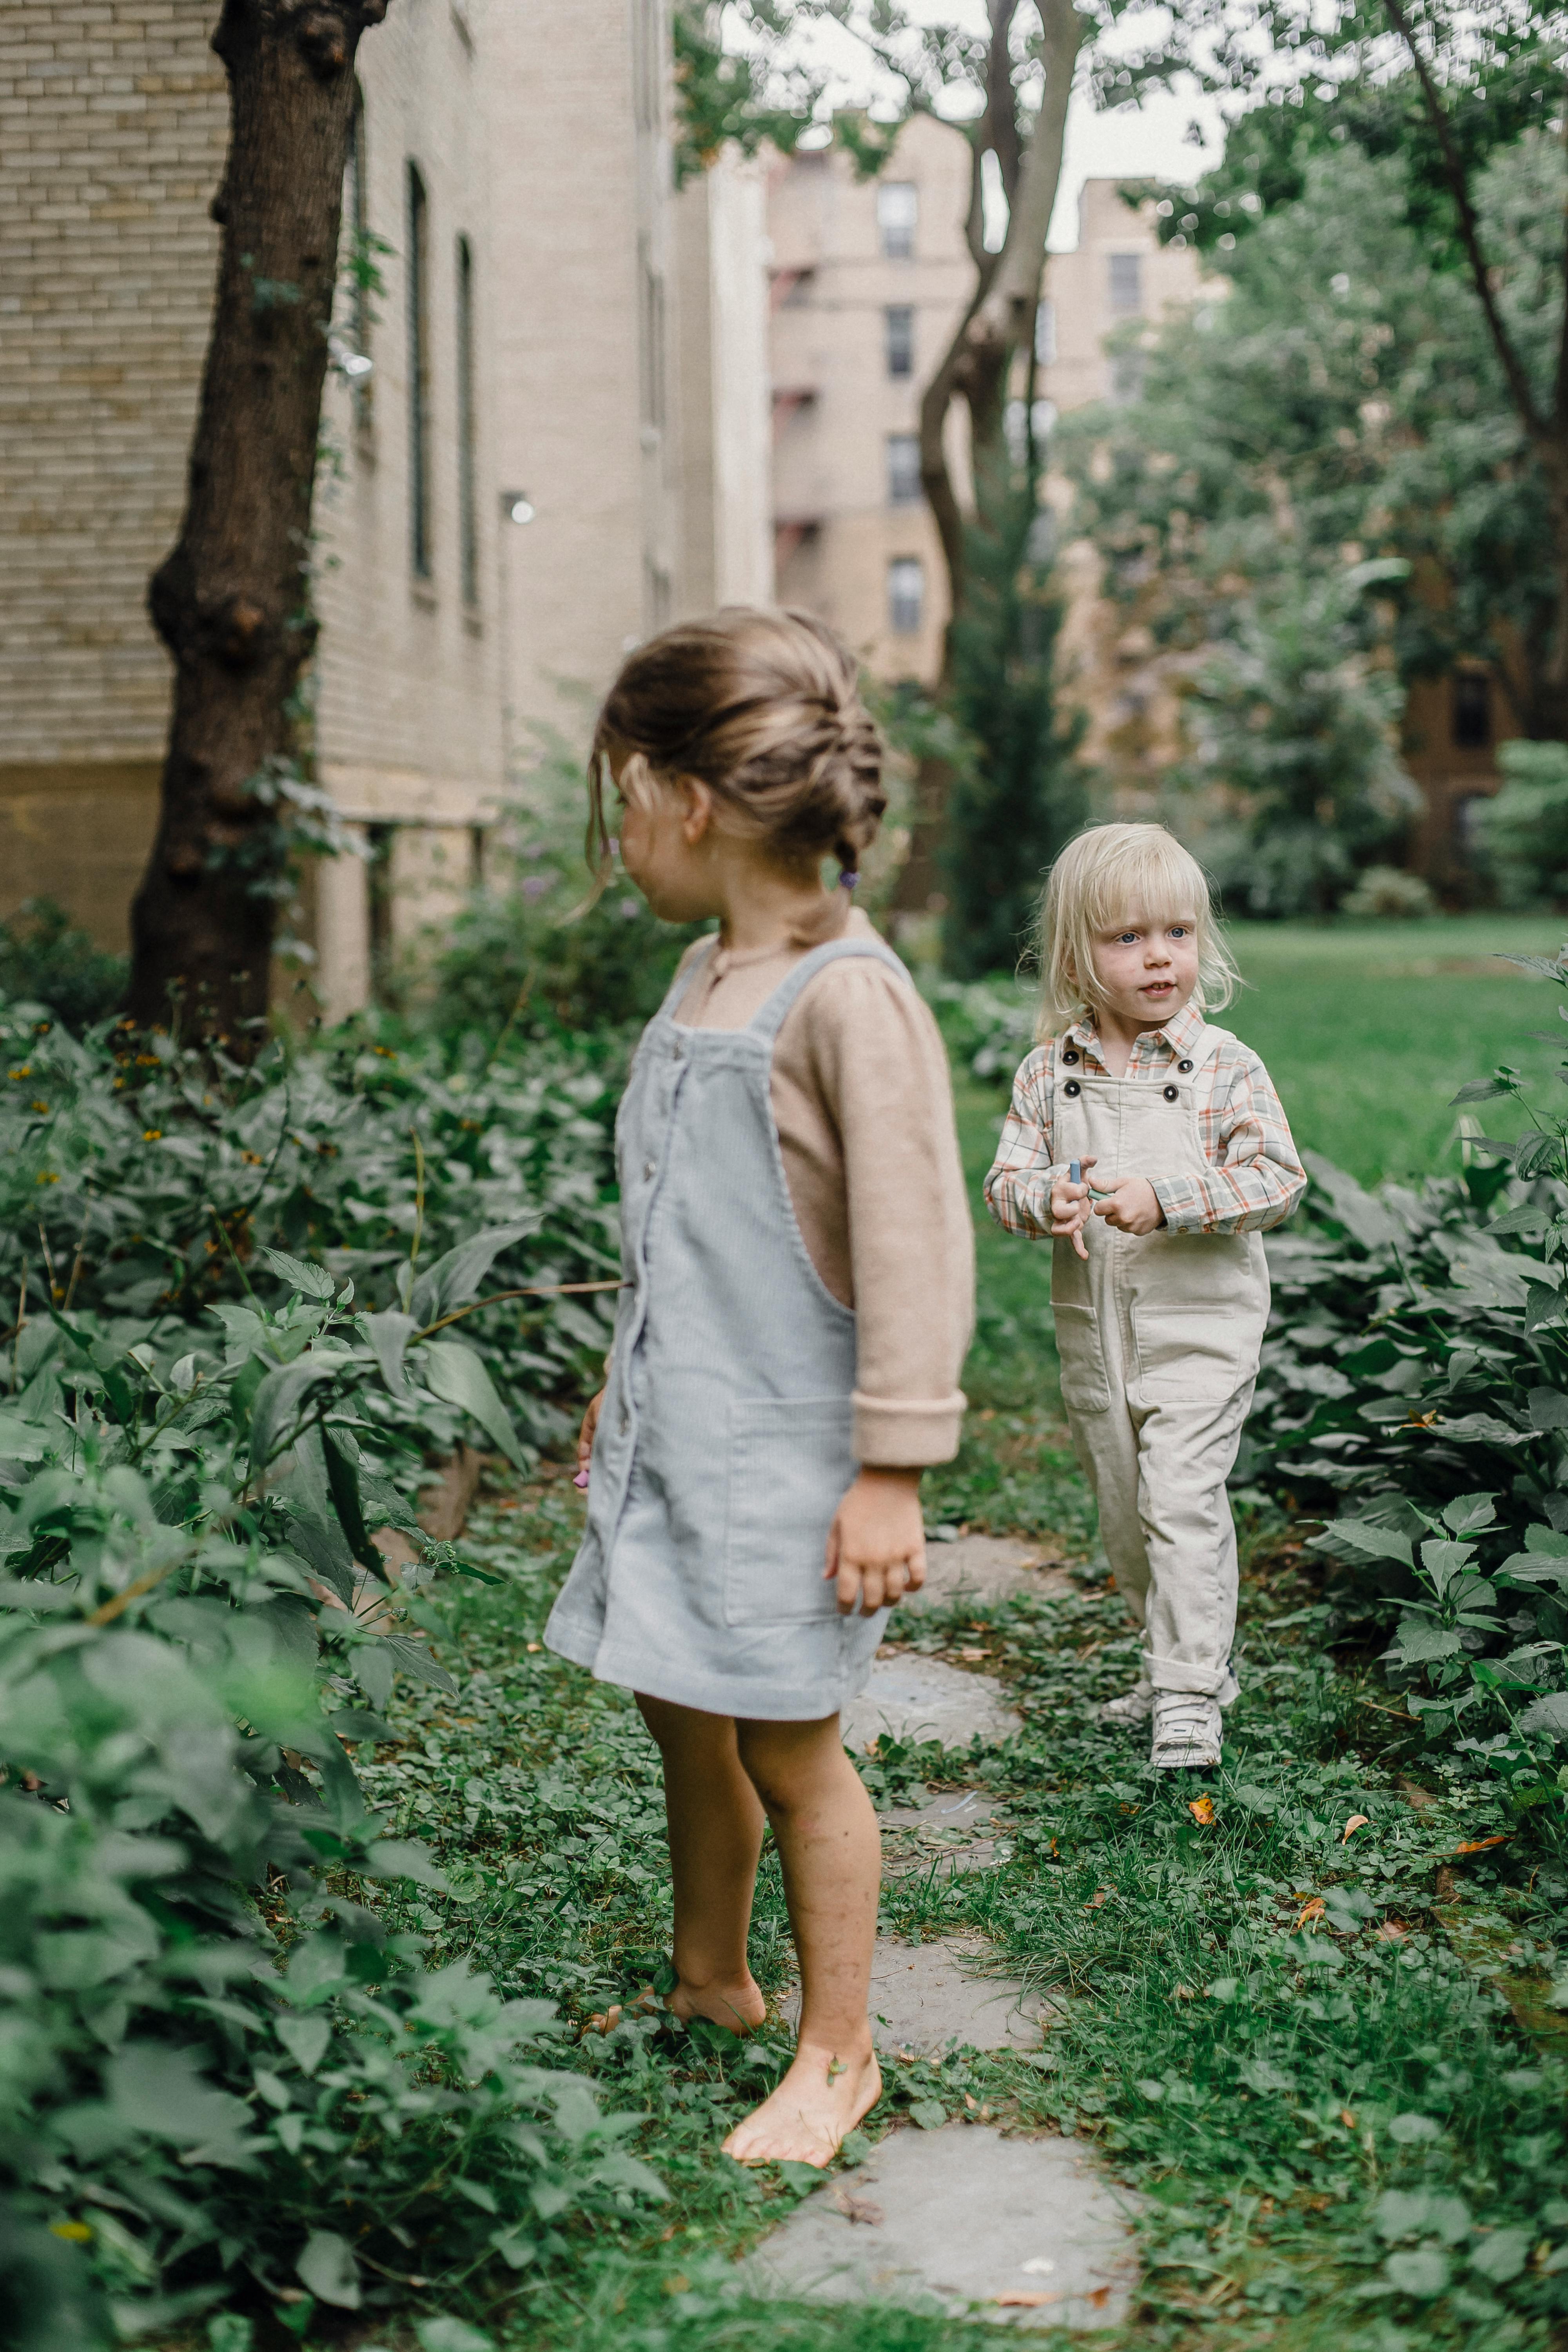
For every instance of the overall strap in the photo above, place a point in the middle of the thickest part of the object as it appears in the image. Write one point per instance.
(683, 979)
(766, 1022)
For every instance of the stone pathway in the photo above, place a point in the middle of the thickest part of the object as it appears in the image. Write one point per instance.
(964, 2223)
(960, 2221)
(993, 1568)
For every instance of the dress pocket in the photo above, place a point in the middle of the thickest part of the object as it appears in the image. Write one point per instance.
(1194, 1354)
(1084, 1384)
(790, 1465)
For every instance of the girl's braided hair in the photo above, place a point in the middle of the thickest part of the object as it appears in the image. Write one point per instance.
(764, 707)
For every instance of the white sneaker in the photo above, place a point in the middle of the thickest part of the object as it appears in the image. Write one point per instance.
(1134, 1707)
(1186, 1731)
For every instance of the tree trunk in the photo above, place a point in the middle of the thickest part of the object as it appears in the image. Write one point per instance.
(232, 601)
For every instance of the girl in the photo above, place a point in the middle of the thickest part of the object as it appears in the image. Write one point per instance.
(1159, 1286)
(798, 1262)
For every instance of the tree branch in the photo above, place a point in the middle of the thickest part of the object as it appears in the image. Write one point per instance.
(1513, 367)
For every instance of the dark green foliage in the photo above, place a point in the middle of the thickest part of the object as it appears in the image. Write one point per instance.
(526, 965)
(1012, 806)
(1523, 831)
(45, 959)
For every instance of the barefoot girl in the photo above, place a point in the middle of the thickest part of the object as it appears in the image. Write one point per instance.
(799, 1268)
(1158, 1285)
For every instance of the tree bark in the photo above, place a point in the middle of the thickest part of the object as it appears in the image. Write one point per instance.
(232, 601)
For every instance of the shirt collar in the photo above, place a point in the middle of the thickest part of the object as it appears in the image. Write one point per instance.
(1177, 1036)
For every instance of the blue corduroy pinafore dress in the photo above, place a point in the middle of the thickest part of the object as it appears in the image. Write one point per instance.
(724, 1443)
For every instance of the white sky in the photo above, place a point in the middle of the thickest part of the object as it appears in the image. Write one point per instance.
(1130, 142)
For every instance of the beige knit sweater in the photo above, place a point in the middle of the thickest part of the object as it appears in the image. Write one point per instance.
(864, 1111)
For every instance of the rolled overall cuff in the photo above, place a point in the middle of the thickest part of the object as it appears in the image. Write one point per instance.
(907, 1432)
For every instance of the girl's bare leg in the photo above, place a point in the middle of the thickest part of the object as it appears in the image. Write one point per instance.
(715, 1837)
(828, 1842)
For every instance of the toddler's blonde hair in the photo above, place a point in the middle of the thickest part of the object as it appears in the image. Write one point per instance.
(1111, 873)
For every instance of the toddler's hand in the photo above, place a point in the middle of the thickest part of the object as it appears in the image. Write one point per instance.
(876, 1546)
(1131, 1205)
(1070, 1207)
(585, 1438)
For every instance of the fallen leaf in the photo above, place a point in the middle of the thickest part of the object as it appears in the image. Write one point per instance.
(532, 1646)
(1022, 2298)
(1347, 2118)
(858, 2208)
(1103, 1896)
(1479, 1845)
(971, 1655)
(1100, 2297)
(1392, 1931)
(1356, 1821)
(679, 2284)
(1183, 1992)
(1309, 1914)
(1201, 1809)
(972, 2102)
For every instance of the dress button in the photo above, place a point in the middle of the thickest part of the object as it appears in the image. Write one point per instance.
(649, 1168)
(1173, 1094)
(1072, 1087)
(1183, 1068)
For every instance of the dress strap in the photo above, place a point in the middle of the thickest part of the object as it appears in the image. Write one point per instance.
(683, 979)
(766, 1022)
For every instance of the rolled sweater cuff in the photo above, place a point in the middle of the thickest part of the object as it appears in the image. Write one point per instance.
(907, 1432)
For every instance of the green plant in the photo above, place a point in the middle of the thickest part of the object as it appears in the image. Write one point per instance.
(1387, 892)
(1523, 831)
(45, 958)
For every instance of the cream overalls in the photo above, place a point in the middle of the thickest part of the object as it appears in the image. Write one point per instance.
(1159, 1340)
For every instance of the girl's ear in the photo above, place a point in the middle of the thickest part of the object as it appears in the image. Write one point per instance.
(697, 813)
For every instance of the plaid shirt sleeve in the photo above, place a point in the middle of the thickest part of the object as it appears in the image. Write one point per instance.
(1257, 1175)
(1018, 1188)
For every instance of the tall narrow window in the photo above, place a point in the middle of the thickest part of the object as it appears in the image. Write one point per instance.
(903, 469)
(418, 285)
(898, 210)
(1046, 332)
(1472, 721)
(905, 594)
(467, 499)
(380, 840)
(900, 322)
(1127, 284)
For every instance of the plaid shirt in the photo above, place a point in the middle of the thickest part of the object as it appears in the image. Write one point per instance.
(1257, 1180)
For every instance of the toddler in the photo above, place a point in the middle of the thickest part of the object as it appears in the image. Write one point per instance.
(1159, 1286)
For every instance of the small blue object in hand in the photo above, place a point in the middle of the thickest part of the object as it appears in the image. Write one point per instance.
(1075, 1171)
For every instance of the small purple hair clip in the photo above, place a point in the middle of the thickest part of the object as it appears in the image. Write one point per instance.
(849, 879)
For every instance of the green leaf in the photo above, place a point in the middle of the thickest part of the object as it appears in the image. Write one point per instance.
(446, 2334)
(161, 2091)
(412, 1657)
(277, 1403)
(1502, 2254)
(313, 1280)
(1423, 2272)
(1550, 1542)
(1417, 1645)
(404, 1858)
(1482, 1090)
(388, 1337)
(1468, 1514)
(1548, 1409)
(928, 2113)
(327, 2268)
(457, 1375)
(343, 1479)
(1549, 1714)
(1366, 1537)
(452, 1280)
(305, 2039)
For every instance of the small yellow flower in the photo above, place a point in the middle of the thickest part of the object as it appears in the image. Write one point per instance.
(151, 1135)
(26, 1071)
(48, 1177)
(38, 1106)
(77, 2232)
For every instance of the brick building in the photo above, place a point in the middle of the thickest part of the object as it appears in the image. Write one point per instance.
(556, 336)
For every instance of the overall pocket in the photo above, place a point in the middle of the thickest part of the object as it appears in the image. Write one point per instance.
(790, 1465)
(1085, 1387)
(1192, 1354)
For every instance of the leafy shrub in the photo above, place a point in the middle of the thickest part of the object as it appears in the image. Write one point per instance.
(1415, 1391)
(1523, 831)
(45, 958)
(1388, 893)
(219, 2074)
(985, 1025)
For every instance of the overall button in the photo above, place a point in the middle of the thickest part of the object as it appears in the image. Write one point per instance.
(1070, 1055)
(1173, 1094)
(1072, 1087)
(1183, 1068)
(649, 1168)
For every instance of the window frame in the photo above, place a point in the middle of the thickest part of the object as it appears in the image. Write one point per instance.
(417, 282)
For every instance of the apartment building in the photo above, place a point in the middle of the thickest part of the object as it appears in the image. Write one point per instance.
(544, 429)
(870, 280)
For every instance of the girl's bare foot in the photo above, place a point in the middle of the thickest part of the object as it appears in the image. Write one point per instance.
(805, 2121)
(740, 2007)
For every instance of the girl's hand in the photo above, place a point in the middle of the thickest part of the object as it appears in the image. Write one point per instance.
(1131, 1205)
(585, 1438)
(1070, 1207)
(876, 1546)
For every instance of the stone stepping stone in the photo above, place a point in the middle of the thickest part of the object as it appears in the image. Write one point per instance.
(949, 1831)
(966, 2223)
(914, 1698)
(928, 1998)
(989, 1568)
